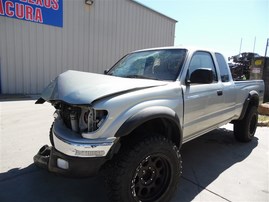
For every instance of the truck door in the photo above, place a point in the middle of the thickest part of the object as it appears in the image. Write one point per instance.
(202, 101)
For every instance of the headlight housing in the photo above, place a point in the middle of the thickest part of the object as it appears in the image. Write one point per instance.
(78, 118)
(92, 119)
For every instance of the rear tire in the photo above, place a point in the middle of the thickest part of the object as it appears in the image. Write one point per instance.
(245, 129)
(148, 170)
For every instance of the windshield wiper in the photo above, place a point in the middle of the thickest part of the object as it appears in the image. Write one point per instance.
(139, 76)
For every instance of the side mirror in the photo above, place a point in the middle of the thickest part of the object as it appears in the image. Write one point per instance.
(202, 76)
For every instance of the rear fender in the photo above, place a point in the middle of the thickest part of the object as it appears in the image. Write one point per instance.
(252, 100)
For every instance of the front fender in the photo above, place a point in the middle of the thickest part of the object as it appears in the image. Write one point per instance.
(148, 114)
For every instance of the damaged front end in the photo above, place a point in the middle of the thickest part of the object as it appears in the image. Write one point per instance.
(80, 141)
(80, 119)
(71, 153)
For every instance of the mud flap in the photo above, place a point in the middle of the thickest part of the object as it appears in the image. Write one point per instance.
(41, 159)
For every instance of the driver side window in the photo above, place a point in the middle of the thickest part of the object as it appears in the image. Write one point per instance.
(200, 60)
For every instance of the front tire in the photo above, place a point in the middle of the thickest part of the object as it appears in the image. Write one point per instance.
(148, 170)
(245, 129)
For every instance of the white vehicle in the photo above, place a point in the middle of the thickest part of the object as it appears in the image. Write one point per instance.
(131, 122)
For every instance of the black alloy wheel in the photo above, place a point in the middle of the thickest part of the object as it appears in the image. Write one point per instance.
(151, 178)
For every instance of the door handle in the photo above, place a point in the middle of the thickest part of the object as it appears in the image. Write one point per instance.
(219, 92)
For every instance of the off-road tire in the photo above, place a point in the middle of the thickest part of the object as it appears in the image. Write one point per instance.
(245, 129)
(146, 170)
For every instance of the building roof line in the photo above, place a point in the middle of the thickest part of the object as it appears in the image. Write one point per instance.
(143, 5)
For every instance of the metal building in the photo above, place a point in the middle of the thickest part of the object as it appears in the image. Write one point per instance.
(83, 35)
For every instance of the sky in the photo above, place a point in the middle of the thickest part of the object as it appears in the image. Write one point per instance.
(221, 25)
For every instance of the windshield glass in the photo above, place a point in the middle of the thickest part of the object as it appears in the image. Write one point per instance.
(153, 64)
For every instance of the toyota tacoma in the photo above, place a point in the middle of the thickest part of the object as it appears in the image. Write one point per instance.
(130, 123)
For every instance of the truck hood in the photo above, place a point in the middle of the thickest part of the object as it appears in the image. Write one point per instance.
(76, 87)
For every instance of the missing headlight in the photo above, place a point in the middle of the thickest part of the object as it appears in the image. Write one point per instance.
(93, 118)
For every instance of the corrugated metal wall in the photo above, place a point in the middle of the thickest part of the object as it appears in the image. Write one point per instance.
(92, 39)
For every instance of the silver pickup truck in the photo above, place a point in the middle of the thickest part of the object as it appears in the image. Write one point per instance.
(130, 123)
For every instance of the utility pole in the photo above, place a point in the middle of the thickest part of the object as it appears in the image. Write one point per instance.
(254, 44)
(240, 45)
(267, 44)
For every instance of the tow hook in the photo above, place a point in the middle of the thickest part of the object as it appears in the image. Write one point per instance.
(41, 159)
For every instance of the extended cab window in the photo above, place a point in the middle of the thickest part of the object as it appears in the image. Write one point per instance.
(224, 72)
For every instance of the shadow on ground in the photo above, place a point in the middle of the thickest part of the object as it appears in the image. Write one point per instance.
(207, 157)
(204, 159)
(35, 184)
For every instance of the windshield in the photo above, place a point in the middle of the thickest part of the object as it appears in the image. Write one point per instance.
(153, 64)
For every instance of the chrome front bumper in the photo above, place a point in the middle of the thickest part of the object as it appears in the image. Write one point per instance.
(54, 161)
(73, 155)
(70, 143)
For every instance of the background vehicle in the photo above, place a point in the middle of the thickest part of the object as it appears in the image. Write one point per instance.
(240, 65)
